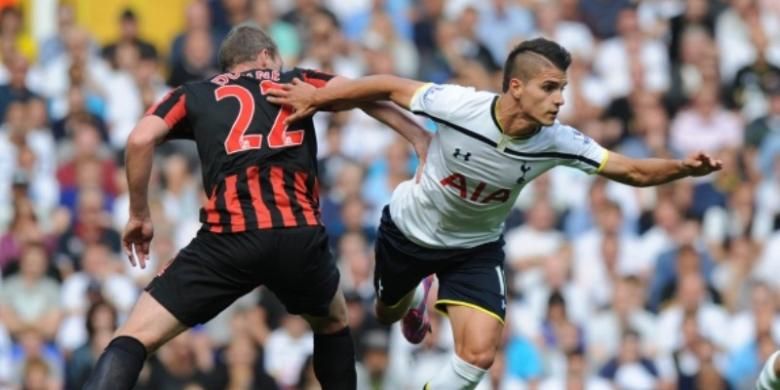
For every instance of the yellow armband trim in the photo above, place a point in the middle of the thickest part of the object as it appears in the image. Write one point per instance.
(603, 161)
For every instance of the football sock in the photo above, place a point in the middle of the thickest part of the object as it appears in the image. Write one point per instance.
(457, 375)
(118, 366)
(768, 380)
(334, 360)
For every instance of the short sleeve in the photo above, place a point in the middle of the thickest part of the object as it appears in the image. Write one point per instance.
(315, 78)
(172, 108)
(579, 151)
(442, 101)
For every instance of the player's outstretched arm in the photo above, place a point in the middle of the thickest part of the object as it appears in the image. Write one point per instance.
(655, 171)
(138, 162)
(305, 99)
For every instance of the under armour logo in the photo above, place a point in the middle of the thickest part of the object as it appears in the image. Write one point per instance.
(464, 156)
(525, 168)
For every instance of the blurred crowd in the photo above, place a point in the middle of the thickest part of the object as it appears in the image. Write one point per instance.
(611, 287)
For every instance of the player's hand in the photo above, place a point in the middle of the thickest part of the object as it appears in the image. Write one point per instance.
(421, 148)
(137, 238)
(700, 164)
(297, 95)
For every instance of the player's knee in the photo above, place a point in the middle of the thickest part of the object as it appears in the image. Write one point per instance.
(479, 357)
(384, 314)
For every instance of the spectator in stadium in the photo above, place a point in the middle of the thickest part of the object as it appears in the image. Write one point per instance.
(13, 34)
(15, 89)
(99, 280)
(287, 350)
(29, 300)
(360, 21)
(283, 33)
(577, 375)
(129, 34)
(53, 45)
(606, 328)
(185, 360)
(386, 50)
(631, 368)
(706, 125)
(748, 90)
(375, 361)
(733, 30)
(691, 299)
(78, 66)
(355, 265)
(91, 225)
(23, 229)
(617, 59)
(529, 245)
(197, 17)
(242, 364)
(101, 322)
(197, 59)
(302, 16)
(605, 253)
(572, 35)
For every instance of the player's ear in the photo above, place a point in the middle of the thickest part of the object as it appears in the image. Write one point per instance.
(516, 87)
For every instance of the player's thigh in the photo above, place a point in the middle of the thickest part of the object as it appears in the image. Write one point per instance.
(335, 320)
(475, 279)
(399, 264)
(304, 275)
(209, 274)
(150, 323)
(477, 335)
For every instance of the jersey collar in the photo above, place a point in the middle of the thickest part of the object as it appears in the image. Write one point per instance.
(494, 115)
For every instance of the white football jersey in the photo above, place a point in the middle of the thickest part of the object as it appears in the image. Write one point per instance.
(474, 172)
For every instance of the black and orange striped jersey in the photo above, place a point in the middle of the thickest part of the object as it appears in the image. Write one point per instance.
(258, 172)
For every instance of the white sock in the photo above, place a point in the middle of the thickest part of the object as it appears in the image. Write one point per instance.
(419, 295)
(767, 380)
(458, 375)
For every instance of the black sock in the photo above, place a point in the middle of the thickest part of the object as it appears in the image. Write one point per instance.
(334, 360)
(118, 366)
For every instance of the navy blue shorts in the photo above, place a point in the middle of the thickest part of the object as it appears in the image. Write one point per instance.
(472, 277)
(216, 269)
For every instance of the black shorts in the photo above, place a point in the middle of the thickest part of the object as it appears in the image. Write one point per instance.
(216, 269)
(472, 277)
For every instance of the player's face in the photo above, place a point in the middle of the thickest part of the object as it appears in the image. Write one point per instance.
(542, 95)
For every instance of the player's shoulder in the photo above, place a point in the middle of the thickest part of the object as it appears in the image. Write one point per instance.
(566, 136)
(451, 100)
(433, 91)
(305, 74)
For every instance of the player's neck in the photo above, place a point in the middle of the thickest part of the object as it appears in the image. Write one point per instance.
(511, 119)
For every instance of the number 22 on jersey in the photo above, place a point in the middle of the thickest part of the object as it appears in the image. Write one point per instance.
(237, 141)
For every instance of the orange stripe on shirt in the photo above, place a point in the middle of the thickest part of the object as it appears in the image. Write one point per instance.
(281, 198)
(177, 112)
(261, 211)
(212, 216)
(303, 200)
(237, 222)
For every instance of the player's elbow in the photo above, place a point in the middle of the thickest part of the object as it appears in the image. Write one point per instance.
(139, 139)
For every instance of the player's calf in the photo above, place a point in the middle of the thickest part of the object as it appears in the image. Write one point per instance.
(119, 365)
(334, 351)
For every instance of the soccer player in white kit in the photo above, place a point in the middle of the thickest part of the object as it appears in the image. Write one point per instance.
(486, 148)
